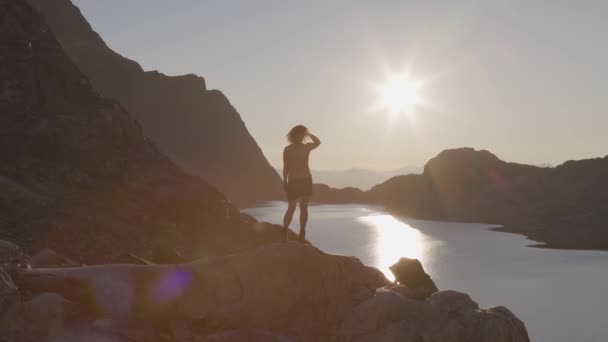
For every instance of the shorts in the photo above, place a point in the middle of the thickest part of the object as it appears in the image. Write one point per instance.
(299, 188)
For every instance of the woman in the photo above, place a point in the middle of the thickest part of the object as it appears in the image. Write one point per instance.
(297, 180)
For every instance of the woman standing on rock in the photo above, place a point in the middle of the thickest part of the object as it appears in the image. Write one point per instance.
(297, 180)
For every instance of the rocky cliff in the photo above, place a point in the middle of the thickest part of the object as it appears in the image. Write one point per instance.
(198, 128)
(77, 173)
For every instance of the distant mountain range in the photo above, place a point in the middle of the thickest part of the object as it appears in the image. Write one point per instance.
(565, 206)
(357, 177)
(360, 178)
(198, 128)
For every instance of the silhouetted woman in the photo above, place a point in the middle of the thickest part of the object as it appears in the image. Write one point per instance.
(297, 179)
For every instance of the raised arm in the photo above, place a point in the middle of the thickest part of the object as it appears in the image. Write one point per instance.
(315, 141)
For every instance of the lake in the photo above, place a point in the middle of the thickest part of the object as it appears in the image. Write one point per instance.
(559, 294)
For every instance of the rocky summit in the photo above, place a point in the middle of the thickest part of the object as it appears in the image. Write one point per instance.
(77, 174)
(198, 128)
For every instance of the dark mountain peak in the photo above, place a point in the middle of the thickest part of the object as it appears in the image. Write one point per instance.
(67, 21)
(78, 175)
(198, 128)
(30, 50)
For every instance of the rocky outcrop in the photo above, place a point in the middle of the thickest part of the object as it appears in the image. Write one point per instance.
(418, 283)
(446, 316)
(280, 292)
(460, 184)
(545, 203)
(198, 128)
(77, 174)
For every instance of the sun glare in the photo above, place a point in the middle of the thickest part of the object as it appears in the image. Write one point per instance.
(399, 94)
(394, 240)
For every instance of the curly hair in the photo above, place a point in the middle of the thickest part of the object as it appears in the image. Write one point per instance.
(297, 134)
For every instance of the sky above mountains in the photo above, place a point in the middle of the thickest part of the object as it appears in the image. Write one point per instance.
(523, 79)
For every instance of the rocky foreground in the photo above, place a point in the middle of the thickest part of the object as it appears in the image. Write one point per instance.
(279, 292)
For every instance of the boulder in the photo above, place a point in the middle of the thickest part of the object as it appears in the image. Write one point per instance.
(453, 303)
(447, 316)
(409, 272)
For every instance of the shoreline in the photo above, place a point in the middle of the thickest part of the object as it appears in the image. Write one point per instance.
(540, 238)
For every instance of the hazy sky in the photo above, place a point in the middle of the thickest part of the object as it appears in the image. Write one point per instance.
(526, 80)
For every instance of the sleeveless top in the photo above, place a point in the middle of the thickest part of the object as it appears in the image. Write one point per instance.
(295, 160)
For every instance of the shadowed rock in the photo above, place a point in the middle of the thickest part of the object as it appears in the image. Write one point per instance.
(198, 128)
(278, 292)
(409, 272)
(447, 316)
(77, 174)
(11, 313)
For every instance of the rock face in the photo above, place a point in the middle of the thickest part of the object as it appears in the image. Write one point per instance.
(198, 128)
(281, 292)
(77, 174)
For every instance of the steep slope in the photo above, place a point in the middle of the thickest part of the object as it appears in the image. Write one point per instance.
(198, 128)
(78, 175)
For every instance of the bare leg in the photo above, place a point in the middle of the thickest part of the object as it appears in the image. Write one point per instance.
(303, 218)
(291, 208)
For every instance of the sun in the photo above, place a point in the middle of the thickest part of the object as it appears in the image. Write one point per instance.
(399, 93)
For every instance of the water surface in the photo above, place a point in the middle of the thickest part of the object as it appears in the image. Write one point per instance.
(559, 294)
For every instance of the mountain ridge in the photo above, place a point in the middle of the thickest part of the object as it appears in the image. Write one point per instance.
(77, 173)
(197, 127)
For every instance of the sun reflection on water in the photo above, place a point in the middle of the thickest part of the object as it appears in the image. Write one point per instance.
(394, 240)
